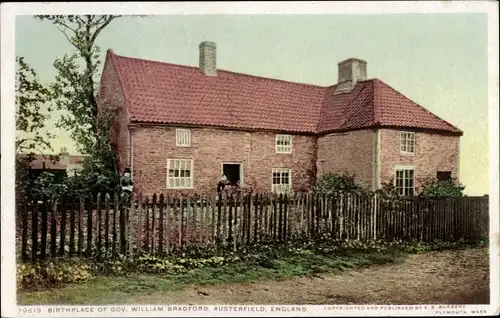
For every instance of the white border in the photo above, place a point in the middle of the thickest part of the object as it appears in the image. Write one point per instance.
(9, 10)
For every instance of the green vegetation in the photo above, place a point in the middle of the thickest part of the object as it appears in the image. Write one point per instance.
(442, 189)
(114, 281)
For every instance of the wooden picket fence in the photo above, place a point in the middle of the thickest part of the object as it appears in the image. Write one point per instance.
(110, 225)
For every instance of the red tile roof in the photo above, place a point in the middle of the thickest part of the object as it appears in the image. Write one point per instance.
(158, 92)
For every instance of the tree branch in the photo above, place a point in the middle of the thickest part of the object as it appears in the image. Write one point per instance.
(99, 29)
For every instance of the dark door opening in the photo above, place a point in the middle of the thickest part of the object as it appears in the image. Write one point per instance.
(232, 172)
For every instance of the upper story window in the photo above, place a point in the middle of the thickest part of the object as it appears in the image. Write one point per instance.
(283, 143)
(183, 137)
(407, 142)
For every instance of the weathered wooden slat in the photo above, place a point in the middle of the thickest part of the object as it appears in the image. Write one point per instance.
(116, 208)
(168, 224)
(53, 229)
(230, 238)
(161, 224)
(25, 230)
(152, 223)
(90, 216)
(43, 240)
(81, 211)
(147, 225)
(99, 225)
(123, 224)
(72, 226)
(62, 232)
(181, 223)
(139, 219)
(34, 232)
(131, 224)
(214, 220)
(107, 202)
(195, 228)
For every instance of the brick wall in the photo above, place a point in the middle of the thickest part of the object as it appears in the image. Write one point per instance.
(112, 100)
(433, 152)
(350, 152)
(209, 149)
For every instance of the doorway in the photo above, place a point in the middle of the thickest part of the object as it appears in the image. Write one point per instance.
(233, 172)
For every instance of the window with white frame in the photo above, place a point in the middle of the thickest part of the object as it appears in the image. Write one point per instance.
(405, 181)
(180, 173)
(407, 142)
(183, 137)
(283, 143)
(282, 180)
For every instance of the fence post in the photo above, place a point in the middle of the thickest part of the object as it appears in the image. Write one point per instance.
(43, 241)
(90, 225)
(146, 224)
(139, 224)
(123, 224)
(62, 232)
(115, 215)
(160, 234)
(131, 229)
(53, 230)
(80, 224)
(72, 226)
(106, 222)
(99, 226)
(153, 223)
(168, 225)
(24, 238)
(34, 232)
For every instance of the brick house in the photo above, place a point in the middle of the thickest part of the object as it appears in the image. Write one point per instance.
(179, 128)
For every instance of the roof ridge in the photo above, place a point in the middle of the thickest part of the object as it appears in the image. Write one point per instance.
(219, 70)
(417, 104)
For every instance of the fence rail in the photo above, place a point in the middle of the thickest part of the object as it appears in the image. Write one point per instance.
(110, 225)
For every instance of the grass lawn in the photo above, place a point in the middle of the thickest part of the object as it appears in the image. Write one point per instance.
(123, 290)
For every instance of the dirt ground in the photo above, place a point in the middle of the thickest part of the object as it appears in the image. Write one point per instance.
(451, 277)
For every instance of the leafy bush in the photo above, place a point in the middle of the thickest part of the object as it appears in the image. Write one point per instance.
(331, 183)
(442, 189)
(53, 274)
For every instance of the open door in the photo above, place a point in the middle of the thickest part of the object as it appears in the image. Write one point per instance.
(232, 171)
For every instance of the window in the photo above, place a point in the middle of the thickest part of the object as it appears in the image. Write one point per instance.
(407, 142)
(183, 137)
(282, 180)
(404, 182)
(180, 174)
(443, 175)
(283, 143)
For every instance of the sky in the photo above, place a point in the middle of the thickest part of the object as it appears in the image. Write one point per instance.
(438, 60)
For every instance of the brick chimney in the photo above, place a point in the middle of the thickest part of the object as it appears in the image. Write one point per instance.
(351, 71)
(208, 58)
